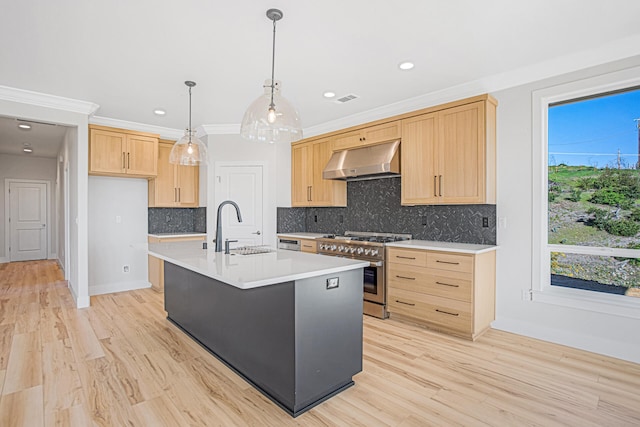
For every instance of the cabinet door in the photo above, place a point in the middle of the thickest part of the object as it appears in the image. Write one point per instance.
(321, 189)
(165, 182)
(462, 154)
(142, 155)
(106, 152)
(301, 170)
(419, 160)
(188, 185)
(347, 140)
(382, 133)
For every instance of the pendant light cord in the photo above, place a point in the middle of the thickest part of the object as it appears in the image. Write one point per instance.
(189, 114)
(273, 63)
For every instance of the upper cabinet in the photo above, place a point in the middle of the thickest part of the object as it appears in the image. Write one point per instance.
(448, 156)
(308, 188)
(175, 185)
(120, 152)
(367, 136)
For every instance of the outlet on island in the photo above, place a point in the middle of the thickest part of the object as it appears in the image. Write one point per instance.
(125, 268)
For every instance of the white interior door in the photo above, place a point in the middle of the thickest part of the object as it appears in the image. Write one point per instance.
(243, 185)
(28, 221)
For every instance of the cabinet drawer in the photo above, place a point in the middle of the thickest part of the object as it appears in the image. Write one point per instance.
(407, 257)
(451, 262)
(442, 312)
(310, 246)
(447, 284)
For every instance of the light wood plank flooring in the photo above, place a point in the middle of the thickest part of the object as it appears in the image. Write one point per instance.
(121, 363)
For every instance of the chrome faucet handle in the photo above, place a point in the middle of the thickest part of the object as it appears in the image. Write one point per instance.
(226, 245)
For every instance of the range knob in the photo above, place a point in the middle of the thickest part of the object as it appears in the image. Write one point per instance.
(333, 247)
(366, 251)
(352, 250)
(374, 252)
(340, 248)
(360, 250)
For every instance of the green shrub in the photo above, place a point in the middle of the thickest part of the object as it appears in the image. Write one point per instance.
(552, 197)
(609, 197)
(575, 195)
(600, 217)
(587, 183)
(622, 227)
(635, 215)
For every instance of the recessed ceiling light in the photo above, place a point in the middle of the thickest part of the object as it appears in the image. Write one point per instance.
(329, 94)
(27, 150)
(406, 65)
(24, 126)
(159, 112)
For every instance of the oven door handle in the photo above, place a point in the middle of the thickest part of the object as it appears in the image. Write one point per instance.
(375, 264)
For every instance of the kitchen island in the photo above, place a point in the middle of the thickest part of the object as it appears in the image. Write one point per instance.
(290, 323)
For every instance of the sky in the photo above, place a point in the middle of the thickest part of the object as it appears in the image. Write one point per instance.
(591, 132)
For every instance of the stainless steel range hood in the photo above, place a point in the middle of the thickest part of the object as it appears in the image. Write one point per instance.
(376, 161)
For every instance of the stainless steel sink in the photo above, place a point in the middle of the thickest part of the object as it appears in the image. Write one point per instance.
(251, 250)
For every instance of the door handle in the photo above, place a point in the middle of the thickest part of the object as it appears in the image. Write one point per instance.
(435, 186)
(179, 195)
(44, 225)
(123, 164)
(257, 232)
(440, 182)
(128, 161)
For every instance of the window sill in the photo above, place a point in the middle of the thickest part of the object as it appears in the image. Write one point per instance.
(615, 305)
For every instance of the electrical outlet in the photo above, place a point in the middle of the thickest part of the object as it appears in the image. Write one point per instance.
(502, 222)
(424, 220)
(118, 219)
(125, 268)
(315, 218)
(485, 222)
(340, 219)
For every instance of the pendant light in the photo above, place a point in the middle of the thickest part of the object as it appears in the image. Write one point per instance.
(188, 150)
(271, 118)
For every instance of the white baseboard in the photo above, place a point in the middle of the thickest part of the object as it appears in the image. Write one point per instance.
(110, 288)
(53, 256)
(81, 302)
(4, 259)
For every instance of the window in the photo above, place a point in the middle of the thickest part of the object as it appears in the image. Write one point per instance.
(587, 193)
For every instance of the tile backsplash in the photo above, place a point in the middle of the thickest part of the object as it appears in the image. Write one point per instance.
(374, 205)
(177, 220)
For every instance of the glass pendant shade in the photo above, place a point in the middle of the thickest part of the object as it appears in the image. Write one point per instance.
(188, 151)
(264, 122)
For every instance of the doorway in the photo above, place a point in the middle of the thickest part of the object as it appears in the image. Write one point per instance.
(27, 219)
(243, 184)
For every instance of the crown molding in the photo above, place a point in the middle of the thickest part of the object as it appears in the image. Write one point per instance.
(165, 133)
(229, 129)
(618, 50)
(45, 100)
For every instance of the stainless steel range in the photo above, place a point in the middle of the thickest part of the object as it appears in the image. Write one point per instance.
(369, 247)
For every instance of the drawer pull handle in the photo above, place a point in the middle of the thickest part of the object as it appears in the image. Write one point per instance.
(405, 257)
(404, 277)
(405, 303)
(446, 312)
(447, 262)
(447, 284)
(306, 246)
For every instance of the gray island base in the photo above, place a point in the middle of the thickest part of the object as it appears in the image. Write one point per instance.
(298, 342)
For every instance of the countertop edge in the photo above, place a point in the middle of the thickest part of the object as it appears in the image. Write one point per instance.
(264, 282)
(302, 235)
(176, 235)
(465, 248)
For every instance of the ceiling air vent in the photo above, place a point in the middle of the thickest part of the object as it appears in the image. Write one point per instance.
(346, 98)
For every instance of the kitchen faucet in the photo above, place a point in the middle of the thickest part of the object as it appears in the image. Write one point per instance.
(219, 222)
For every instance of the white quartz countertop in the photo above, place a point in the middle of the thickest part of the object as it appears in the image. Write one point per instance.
(170, 235)
(302, 235)
(251, 271)
(465, 248)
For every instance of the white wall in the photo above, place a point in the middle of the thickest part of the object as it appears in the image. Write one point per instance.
(29, 168)
(117, 234)
(601, 333)
(233, 148)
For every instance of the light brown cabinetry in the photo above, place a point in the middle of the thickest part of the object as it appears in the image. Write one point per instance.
(156, 265)
(368, 136)
(448, 156)
(309, 245)
(175, 185)
(308, 188)
(120, 152)
(451, 292)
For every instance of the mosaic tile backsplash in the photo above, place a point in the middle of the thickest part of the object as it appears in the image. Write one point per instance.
(374, 205)
(177, 220)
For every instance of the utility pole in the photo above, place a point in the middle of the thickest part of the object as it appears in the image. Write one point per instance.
(618, 158)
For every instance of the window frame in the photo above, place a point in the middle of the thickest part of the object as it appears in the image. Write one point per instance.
(541, 289)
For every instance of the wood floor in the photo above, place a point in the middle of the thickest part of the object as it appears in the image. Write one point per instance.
(121, 363)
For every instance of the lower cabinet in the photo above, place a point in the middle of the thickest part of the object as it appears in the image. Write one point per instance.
(448, 291)
(309, 245)
(156, 265)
